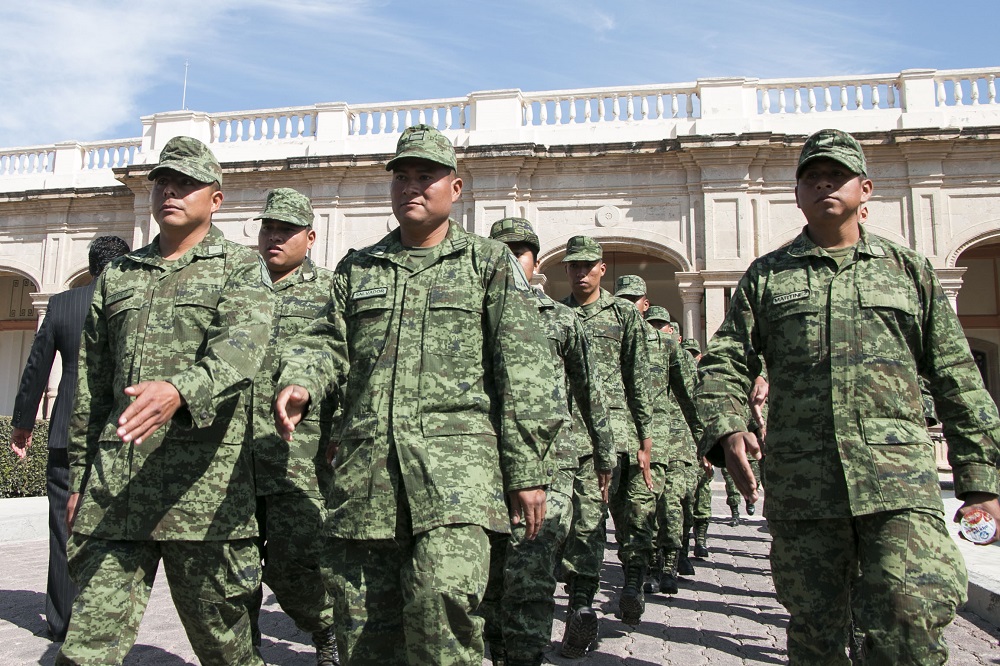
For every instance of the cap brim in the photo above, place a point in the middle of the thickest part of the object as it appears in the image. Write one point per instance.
(580, 256)
(187, 169)
(284, 218)
(830, 156)
(417, 155)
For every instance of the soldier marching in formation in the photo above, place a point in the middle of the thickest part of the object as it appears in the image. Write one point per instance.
(413, 449)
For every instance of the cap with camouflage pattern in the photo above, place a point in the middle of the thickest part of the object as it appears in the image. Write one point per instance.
(691, 345)
(189, 156)
(676, 326)
(425, 143)
(836, 145)
(658, 313)
(515, 230)
(287, 205)
(630, 285)
(582, 248)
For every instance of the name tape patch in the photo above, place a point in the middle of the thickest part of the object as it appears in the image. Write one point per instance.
(118, 296)
(369, 293)
(794, 296)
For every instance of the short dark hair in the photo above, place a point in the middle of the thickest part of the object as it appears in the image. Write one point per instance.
(103, 249)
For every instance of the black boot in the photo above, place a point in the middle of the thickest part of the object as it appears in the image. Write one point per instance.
(668, 578)
(684, 566)
(582, 625)
(701, 538)
(632, 602)
(734, 520)
(751, 508)
(498, 655)
(326, 647)
(653, 572)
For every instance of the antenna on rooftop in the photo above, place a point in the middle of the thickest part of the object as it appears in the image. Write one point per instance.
(185, 92)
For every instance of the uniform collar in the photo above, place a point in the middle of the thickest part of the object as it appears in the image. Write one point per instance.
(306, 272)
(803, 246)
(392, 248)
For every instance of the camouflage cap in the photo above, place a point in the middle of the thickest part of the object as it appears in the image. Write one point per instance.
(676, 326)
(691, 345)
(658, 313)
(630, 285)
(582, 248)
(189, 156)
(287, 205)
(515, 230)
(835, 145)
(426, 143)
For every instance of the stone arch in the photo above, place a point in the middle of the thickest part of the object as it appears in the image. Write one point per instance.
(10, 265)
(975, 235)
(655, 245)
(79, 278)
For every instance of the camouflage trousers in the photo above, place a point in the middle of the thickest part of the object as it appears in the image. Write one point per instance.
(410, 600)
(291, 531)
(912, 579)
(703, 496)
(639, 545)
(620, 500)
(583, 554)
(211, 583)
(519, 603)
(675, 510)
(733, 496)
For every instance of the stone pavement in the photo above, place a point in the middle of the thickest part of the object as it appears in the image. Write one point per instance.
(725, 614)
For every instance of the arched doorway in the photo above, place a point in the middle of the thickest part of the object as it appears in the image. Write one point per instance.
(659, 274)
(979, 308)
(18, 321)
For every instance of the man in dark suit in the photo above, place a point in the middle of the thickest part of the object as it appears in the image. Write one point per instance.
(60, 332)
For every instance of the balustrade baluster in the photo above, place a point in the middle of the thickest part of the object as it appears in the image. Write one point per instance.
(859, 97)
(528, 115)
(875, 96)
(659, 105)
(812, 100)
(461, 115)
(543, 112)
(827, 99)
(600, 109)
(890, 93)
(572, 110)
(843, 98)
(239, 128)
(587, 110)
(557, 112)
(434, 118)
(629, 108)
(958, 91)
(991, 89)
(615, 108)
(974, 91)
(644, 107)
(941, 99)
(797, 99)
(765, 101)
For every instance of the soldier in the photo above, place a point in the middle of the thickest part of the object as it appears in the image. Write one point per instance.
(702, 508)
(671, 395)
(618, 337)
(846, 322)
(158, 470)
(518, 605)
(446, 410)
(293, 478)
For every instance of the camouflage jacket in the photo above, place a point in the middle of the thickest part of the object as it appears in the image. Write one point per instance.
(446, 406)
(202, 323)
(299, 465)
(844, 348)
(675, 418)
(618, 336)
(589, 432)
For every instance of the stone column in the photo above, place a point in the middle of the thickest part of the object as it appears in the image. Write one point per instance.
(40, 302)
(716, 283)
(951, 282)
(692, 291)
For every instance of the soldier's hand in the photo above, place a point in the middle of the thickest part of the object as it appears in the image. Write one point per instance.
(739, 447)
(644, 459)
(528, 506)
(707, 467)
(71, 504)
(758, 396)
(155, 404)
(290, 406)
(989, 503)
(331, 451)
(604, 483)
(20, 440)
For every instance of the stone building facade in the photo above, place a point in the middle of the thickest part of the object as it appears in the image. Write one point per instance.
(683, 183)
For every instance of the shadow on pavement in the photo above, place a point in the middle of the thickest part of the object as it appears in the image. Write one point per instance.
(24, 608)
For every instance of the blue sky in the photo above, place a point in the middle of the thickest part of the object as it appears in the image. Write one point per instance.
(89, 70)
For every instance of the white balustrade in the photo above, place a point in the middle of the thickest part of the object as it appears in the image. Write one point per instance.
(970, 87)
(26, 161)
(836, 94)
(110, 154)
(266, 125)
(443, 114)
(603, 105)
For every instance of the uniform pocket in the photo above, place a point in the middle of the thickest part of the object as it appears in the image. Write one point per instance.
(889, 320)
(454, 321)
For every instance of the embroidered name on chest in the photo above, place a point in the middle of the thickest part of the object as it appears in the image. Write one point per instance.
(118, 296)
(369, 293)
(787, 298)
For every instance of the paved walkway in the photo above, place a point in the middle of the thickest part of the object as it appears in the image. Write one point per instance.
(725, 614)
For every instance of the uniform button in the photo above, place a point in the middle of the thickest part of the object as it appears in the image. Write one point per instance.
(204, 415)
(550, 472)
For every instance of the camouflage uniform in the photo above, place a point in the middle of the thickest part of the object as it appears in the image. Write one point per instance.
(674, 416)
(433, 433)
(518, 605)
(185, 494)
(618, 337)
(851, 476)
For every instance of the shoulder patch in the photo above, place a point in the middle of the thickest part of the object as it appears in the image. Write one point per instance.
(794, 296)
(214, 250)
(369, 293)
(118, 296)
(876, 250)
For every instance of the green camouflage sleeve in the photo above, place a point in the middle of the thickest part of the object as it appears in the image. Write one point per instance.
(682, 380)
(968, 413)
(635, 372)
(726, 371)
(316, 357)
(94, 392)
(236, 342)
(531, 398)
(588, 393)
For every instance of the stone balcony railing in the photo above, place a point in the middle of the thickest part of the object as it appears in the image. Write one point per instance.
(725, 106)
